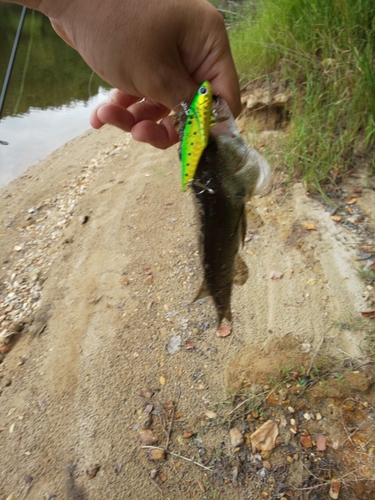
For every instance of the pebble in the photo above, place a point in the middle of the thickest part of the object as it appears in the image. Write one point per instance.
(16, 327)
(236, 437)
(92, 471)
(83, 219)
(153, 473)
(146, 393)
(147, 437)
(35, 250)
(156, 454)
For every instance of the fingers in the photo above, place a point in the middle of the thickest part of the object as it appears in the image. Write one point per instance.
(112, 114)
(138, 117)
(219, 69)
(114, 111)
(226, 85)
(124, 111)
(160, 135)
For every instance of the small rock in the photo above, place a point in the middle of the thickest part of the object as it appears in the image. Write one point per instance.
(16, 327)
(305, 348)
(334, 489)
(210, 414)
(163, 477)
(224, 331)
(188, 434)
(83, 219)
(92, 471)
(320, 441)
(156, 454)
(174, 344)
(149, 408)
(236, 438)
(29, 479)
(306, 441)
(145, 393)
(189, 345)
(153, 473)
(275, 275)
(147, 437)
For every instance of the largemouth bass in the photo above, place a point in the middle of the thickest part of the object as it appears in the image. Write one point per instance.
(228, 174)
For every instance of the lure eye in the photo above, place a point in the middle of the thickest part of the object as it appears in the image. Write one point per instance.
(203, 90)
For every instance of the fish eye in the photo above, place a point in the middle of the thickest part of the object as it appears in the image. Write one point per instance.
(203, 90)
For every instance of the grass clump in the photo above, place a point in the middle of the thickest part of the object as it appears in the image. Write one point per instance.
(324, 51)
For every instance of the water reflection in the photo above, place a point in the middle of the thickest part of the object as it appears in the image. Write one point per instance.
(35, 135)
(50, 96)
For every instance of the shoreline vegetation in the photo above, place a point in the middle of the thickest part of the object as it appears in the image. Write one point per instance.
(323, 53)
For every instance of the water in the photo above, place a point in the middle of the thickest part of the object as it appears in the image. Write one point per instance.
(51, 93)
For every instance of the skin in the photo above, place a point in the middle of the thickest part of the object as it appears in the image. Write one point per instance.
(161, 50)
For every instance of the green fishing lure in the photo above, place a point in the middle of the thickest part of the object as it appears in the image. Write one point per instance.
(196, 131)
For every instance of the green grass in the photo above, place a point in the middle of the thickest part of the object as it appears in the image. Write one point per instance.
(367, 275)
(324, 52)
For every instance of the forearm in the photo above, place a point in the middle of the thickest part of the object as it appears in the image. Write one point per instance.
(49, 7)
(32, 4)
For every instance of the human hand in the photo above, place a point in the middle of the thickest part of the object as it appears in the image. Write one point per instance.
(160, 50)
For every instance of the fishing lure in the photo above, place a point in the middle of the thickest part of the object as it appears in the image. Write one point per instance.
(196, 131)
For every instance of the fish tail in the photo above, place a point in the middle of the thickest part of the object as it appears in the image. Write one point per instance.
(225, 315)
(203, 291)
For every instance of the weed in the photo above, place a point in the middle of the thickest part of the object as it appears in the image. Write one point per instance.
(367, 275)
(286, 372)
(339, 377)
(324, 52)
(324, 386)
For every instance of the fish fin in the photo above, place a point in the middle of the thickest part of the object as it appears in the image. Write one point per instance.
(203, 292)
(241, 271)
(253, 218)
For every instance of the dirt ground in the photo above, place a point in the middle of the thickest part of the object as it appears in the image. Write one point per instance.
(99, 264)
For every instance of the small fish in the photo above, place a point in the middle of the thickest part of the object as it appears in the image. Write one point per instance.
(229, 172)
(196, 131)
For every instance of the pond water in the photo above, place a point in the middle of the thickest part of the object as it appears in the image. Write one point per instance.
(50, 96)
